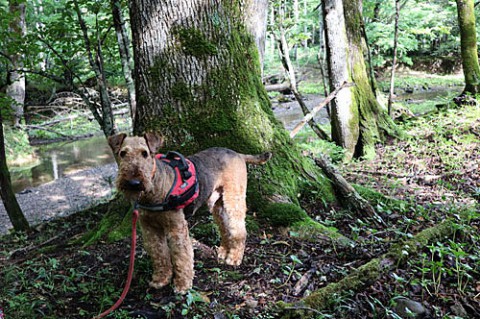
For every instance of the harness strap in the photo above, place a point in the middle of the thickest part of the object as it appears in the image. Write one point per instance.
(184, 189)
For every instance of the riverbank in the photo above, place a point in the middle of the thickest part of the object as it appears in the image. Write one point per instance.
(63, 196)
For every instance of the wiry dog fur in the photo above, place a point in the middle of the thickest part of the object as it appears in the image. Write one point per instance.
(222, 177)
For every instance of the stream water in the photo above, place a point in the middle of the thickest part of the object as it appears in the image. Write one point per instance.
(55, 160)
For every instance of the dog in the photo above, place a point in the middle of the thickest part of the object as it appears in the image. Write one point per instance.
(220, 183)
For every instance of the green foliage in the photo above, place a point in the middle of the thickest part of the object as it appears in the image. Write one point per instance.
(17, 145)
(425, 27)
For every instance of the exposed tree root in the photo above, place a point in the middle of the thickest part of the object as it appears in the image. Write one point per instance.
(368, 273)
(346, 191)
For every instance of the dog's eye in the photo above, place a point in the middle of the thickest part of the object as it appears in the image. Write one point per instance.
(122, 154)
(145, 154)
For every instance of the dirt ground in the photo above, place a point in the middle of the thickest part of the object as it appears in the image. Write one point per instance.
(69, 194)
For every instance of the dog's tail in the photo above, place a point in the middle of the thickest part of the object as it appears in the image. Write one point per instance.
(257, 159)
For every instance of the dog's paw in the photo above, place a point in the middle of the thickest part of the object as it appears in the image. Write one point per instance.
(181, 291)
(181, 287)
(221, 253)
(233, 261)
(157, 284)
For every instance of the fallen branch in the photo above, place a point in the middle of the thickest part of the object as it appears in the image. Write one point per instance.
(280, 87)
(308, 117)
(36, 127)
(373, 270)
(346, 191)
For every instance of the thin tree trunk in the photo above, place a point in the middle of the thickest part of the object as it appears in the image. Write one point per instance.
(16, 79)
(14, 211)
(124, 50)
(288, 66)
(468, 44)
(394, 61)
(96, 63)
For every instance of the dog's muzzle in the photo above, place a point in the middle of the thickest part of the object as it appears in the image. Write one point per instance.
(133, 185)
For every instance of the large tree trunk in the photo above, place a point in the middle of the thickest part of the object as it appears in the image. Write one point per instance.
(15, 78)
(468, 42)
(198, 83)
(14, 211)
(358, 120)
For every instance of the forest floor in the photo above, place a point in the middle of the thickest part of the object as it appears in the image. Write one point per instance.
(431, 175)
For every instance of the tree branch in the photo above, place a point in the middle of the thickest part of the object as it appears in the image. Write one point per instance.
(312, 113)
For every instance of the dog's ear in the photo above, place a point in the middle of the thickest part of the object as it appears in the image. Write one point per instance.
(154, 141)
(115, 142)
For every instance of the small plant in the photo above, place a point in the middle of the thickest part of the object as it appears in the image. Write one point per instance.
(192, 299)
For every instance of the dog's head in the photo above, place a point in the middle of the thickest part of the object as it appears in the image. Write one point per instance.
(136, 162)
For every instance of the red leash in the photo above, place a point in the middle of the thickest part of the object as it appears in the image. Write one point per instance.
(130, 268)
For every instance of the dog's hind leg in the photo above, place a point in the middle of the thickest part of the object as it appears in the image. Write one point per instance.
(229, 214)
(155, 243)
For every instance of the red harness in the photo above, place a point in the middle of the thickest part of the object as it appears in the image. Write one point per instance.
(185, 185)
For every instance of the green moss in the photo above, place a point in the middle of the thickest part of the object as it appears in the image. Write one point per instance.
(403, 250)
(115, 225)
(124, 229)
(194, 42)
(311, 230)
(181, 91)
(376, 198)
(283, 214)
(364, 275)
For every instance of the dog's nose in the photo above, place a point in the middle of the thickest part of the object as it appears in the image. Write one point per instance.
(134, 183)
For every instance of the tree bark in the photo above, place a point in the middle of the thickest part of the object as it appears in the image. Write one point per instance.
(257, 14)
(198, 84)
(358, 121)
(96, 63)
(468, 45)
(343, 114)
(12, 207)
(124, 50)
(15, 79)
(394, 60)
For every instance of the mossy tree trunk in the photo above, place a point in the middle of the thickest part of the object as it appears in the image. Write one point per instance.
(358, 120)
(468, 44)
(198, 83)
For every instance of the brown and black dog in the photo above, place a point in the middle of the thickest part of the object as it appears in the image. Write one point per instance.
(222, 181)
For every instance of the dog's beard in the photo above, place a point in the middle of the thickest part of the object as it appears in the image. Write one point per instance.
(133, 192)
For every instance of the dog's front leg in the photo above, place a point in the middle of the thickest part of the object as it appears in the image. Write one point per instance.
(155, 243)
(181, 251)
